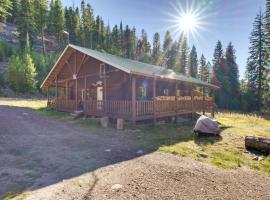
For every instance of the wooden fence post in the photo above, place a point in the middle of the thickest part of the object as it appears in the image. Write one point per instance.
(213, 104)
(192, 103)
(154, 99)
(176, 101)
(203, 100)
(133, 99)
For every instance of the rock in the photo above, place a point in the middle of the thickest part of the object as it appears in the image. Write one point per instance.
(117, 187)
(133, 130)
(140, 151)
(204, 155)
(255, 158)
(261, 158)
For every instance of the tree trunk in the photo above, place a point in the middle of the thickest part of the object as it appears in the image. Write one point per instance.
(43, 42)
(258, 143)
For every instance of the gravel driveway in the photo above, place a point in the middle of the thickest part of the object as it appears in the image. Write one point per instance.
(50, 159)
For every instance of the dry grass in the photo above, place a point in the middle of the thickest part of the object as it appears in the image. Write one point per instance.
(26, 103)
(228, 151)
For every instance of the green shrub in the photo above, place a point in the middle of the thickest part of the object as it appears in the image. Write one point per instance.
(22, 73)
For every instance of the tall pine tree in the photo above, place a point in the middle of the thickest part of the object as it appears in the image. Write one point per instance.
(41, 16)
(183, 65)
(233, 76)
(156, 52)
(193, 63)
(256, 74)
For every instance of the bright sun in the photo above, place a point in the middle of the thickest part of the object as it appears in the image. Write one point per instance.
(188, 23)
(189, 19)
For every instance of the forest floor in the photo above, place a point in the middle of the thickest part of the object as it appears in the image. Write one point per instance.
(48, 155)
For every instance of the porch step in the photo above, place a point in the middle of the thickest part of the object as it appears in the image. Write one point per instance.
(77, 113)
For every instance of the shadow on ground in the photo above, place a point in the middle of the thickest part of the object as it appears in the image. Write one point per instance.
(37, 151)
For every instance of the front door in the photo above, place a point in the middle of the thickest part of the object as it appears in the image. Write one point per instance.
(99, 97)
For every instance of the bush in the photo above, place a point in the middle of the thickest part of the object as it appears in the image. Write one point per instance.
(43, 65)
(22, 73)
(1, 54)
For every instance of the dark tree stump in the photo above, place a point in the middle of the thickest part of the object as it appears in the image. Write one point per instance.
(258, 143)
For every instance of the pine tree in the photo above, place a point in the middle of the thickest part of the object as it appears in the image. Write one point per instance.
(167, 45)
(267, 24)
(5, 9)
(22, 72)
(210, 70)
(143, 48)
(88, 23)
(203, 71)
(219, 78)
(256, 74)
(183, 65)
(193, 63)
(133, 43)
(41, 16)
(233, 76)
(26, 22)
(171, 63)
(115, 40)
(266, 82)
(59, 19)
(156, 52)
(76, 26)
(51, 27)
(14, 11)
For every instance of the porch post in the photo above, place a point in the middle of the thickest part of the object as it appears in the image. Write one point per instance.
(66, 91)
(154, 99)
(203, 100)
(76, 92)
(192, 103)
(104, 89)
(176, 100)
(213, 104)
(85, 88)
(56, 84)
(48, 95)
(76, 82)
(133, 99)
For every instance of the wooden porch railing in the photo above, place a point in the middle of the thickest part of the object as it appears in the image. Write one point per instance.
(144, 109)
(62, 105)
(98, 108)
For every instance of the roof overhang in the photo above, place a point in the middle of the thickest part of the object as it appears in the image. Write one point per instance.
(168, 75)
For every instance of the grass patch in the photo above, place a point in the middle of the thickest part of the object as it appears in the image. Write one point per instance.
(24, 103)
(87, 123)
(16, 194)
(227, 151)
(53, 114)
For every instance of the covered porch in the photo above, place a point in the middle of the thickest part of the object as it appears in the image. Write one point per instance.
(104, 85)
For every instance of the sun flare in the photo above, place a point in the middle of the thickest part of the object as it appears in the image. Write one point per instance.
(190, 18)
(188, 22)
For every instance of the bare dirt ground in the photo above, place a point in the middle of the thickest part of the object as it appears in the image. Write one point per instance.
(50, 159)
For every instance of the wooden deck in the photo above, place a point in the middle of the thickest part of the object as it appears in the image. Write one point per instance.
(144, 109)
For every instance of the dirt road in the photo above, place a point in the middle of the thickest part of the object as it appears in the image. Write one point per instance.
(49, 159)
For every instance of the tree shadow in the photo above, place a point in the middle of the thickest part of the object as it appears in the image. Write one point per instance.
(52, 149)
(206, 140)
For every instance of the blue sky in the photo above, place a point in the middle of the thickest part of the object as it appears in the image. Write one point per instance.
(224, 20)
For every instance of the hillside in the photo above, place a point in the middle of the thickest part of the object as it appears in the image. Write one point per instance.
(9, 33)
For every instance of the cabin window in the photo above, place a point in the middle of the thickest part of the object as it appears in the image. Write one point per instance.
(142, 94)
(166, 92)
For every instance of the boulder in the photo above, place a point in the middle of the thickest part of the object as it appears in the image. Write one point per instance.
(206, 126)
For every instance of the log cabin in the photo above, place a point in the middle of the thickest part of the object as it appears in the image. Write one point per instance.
(104, 85)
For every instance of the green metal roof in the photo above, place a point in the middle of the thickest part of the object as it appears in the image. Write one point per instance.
(132, 66)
